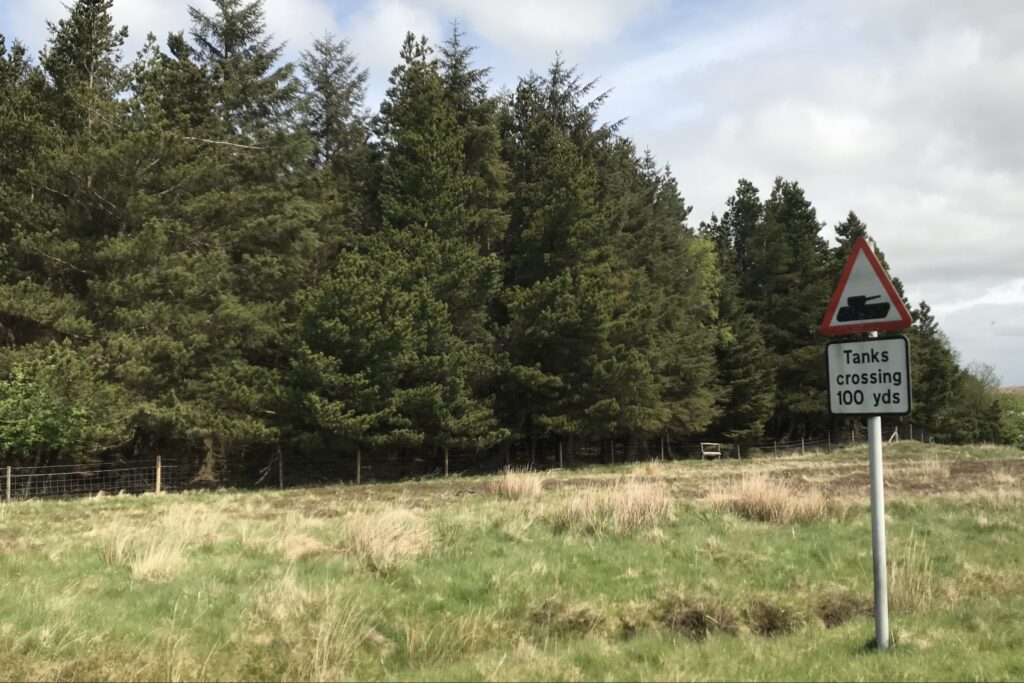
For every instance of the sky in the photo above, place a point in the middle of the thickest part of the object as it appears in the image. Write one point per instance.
(909, 113)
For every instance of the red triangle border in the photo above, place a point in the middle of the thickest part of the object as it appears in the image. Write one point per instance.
(905, 321)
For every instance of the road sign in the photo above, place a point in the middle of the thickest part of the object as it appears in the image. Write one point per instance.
(867, 378)
(864, 300)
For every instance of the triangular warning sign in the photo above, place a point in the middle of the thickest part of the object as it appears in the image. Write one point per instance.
(864, 300)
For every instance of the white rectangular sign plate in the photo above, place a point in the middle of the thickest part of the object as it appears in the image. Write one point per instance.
(870, 377)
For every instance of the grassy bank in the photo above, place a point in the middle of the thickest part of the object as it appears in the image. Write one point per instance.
(692, 570)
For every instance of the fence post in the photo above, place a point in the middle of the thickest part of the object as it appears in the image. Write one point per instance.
(446, 461)
(280, 469)
(359, 466)
(739, 454)
(158, 472)
(8, 482)
(911, 431)
(775, 447)
(830, 441)
(561, 465)
(801, 445)
(662, 448)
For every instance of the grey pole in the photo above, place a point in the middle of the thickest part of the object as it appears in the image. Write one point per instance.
(878, 529)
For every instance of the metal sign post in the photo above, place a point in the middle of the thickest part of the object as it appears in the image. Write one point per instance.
(878, 529)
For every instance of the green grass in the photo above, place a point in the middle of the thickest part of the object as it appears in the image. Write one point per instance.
(280, 585)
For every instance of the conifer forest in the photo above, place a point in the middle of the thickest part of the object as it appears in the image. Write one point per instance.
(210, 253)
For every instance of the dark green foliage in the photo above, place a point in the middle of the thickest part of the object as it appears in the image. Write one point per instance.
(746, 369)
(934, 373)
(783, 273)
(208, 252)
(252, 95)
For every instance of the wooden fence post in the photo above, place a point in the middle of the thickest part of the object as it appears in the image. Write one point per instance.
(801, 445)
(775, 447)
(830, 441)
(561, 465)
(158, 473)
(359, 466)
(446, 461)
(280, 469)
(8, 482)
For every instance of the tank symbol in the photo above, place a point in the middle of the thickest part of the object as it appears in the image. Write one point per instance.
(858, 308)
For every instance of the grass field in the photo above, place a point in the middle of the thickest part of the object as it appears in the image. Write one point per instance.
(755, 569)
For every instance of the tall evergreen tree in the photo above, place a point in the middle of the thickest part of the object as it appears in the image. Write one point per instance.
(253, 94)
(785, 276)
(429, 221)
(575, 368)
(485, 174)
(934, 372)
(745, 366)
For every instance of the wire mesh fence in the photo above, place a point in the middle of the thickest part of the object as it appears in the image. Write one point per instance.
(88, 479)
(280, 471)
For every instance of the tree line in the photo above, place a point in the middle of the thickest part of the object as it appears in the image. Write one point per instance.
(211, 252)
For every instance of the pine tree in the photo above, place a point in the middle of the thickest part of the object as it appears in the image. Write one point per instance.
(59, 191)
(429, 221)
(485, 174)
(934, 372)
(253, 96)
(333, 107)
(784, 278)
(81, 61)
(574, 371)
(745, 366)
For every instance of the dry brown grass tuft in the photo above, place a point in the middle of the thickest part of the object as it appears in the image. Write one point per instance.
(337, 631)
(387, 537)
(516, 483)
(322, 628)
(911, 580)
(763, 499)
(159, 558)
(769, 618)
(625, 507)
(698, 618)
(837, 607)
(567, 618)
(935, 468)
(157, 551)
(652, 469)
(290, 534)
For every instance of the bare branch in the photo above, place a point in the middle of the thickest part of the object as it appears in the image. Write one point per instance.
(222, 142)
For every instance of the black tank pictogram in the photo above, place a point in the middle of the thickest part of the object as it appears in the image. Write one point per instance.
(858, 308)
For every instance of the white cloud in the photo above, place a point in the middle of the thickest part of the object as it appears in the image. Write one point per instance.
(905, 113)
(540, 27)
(376, 33)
